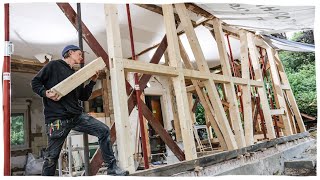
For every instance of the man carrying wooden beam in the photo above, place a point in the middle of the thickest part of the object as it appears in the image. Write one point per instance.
(62, 115)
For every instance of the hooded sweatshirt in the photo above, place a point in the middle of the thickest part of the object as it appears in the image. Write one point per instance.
(69, 105)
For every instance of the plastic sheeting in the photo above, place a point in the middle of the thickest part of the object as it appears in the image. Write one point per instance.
(282, 44)
(264, 19)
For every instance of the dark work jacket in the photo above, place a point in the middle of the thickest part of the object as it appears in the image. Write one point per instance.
(68, 106)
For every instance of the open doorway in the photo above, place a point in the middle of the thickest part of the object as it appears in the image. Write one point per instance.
(157, 146)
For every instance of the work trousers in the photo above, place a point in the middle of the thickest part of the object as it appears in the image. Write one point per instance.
(59, 132)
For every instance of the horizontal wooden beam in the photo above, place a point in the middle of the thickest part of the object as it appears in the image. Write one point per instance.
(285, 87)
(149, 68)
(276, 111)
(162, 70)
(199, 11)
(26, 66)
(157, 9)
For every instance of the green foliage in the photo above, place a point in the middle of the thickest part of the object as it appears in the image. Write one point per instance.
(303, 37)
(200, 115)
(17, 129)
(301, 72)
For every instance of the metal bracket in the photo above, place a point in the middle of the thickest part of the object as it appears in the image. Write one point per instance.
(8, 48)
(137, 87)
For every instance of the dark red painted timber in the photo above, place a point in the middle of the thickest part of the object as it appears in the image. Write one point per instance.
(6, 80)
(87, 36)
(155, 60)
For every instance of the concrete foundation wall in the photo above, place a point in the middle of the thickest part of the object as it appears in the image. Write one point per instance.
(267, 162)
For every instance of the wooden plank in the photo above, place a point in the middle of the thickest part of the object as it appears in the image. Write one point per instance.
(290, 95)
(280, 102)
(149, 68)
(79, 77)
(179, 84)
(120, 104)
(276, 111)
(25, 66)
(246, 91)
(230, 90)
(256, 83)
(176, 121)
(157, 9)
(190, 101)
(196, 75)
(203, 99)
(261, 90)
(105, 97)
(209, 84)
(285, 87)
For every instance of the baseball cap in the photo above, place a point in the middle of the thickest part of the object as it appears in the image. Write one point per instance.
(69, 47)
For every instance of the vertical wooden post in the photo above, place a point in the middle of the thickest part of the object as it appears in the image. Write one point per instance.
(190, 100)
(179, 84)
(246, 92)
(203, 99)
(105, 97)
(279, 93)
(230, 90)
(290, 95)
(261, 90)
(120, 104)
(209, 84)
(174, 107)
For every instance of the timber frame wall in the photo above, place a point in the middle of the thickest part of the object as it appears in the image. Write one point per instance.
(234, 132)
(246, 108)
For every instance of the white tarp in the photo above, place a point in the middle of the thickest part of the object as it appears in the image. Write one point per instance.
(264, 19)
(283, 44)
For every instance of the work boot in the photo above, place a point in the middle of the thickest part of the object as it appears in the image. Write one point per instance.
(114, 170)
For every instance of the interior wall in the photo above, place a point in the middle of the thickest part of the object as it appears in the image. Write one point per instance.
(37, 137)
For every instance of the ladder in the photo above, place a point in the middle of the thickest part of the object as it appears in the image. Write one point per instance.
(195, 130)
(75, 160)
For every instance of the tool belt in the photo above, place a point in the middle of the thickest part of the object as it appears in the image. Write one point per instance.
(56, 128)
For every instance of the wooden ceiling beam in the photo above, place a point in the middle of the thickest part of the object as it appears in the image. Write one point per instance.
(157, 9)
(25, 66)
